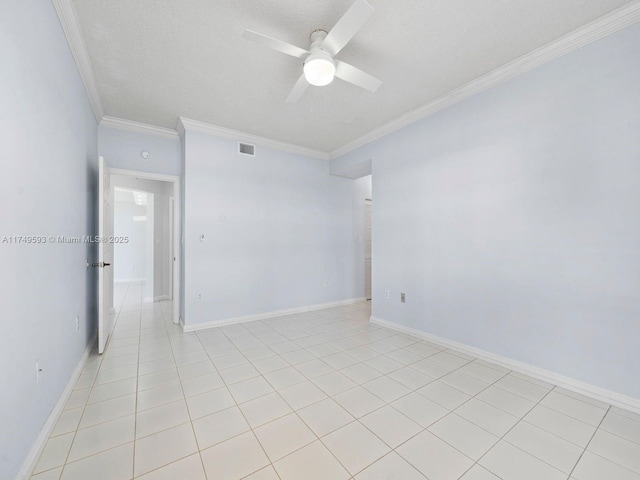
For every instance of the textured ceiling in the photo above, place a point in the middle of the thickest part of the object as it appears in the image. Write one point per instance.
(155, 60)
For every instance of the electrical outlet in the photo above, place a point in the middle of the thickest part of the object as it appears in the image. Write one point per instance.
(38, 371)
(77, 323)
(403, 298)
(386, 294)
(200, 296)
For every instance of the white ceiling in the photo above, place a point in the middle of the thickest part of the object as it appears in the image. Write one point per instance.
(154, 61)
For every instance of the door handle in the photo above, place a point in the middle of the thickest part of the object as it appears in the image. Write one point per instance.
(106, 264)
(100, 264)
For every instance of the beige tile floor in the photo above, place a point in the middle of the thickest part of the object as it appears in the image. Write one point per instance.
(322, 395)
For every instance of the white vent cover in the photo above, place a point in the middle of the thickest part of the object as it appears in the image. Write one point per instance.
(246, 149)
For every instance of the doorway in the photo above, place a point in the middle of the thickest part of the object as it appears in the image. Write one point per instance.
(146, 218)
(135, 240)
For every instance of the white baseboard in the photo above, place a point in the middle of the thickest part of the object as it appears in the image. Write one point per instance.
(266, 315)
(577, 386)
(159, 298)
(34, 454)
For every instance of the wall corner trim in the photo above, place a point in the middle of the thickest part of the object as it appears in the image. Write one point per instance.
(185, 124)
(264, 316)
(34, 454)
(577, 386)
(607, 24)
(71, 29)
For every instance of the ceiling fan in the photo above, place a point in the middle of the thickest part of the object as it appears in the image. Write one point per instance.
(320, 66)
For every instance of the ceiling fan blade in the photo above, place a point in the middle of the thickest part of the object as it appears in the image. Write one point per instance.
(354, 75)
(298, 89)
(275, 44)
(347, 26)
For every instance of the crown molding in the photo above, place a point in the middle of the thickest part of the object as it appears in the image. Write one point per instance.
(188, 124)
(138, 127)
(71, 28)
(589, 33)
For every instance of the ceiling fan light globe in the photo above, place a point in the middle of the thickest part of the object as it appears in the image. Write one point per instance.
(319, 71)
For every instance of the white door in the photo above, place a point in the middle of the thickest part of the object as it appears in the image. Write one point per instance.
(106, 312)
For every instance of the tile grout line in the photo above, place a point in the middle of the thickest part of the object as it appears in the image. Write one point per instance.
(528, 422)
(276, 390)
(589, 442)
(237, 406)
(356, 419)
(135, 409)
(351, 476)
(423, 429)
(584, 449)
(84, 407)
(195, 437)
(164, 322)
(378, 354)
(139, 335)
(294, 411)
(515, 446)
(86, 403)
(426, 429)
(453, 411)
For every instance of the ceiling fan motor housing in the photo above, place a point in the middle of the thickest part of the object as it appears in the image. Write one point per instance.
(319, 66)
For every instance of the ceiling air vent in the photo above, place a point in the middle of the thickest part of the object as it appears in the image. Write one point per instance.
(246, 149)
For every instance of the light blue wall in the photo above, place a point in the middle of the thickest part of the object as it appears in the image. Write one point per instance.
(122, 149)
(512, 220)
(183, 210)
(129, 259)
(276, 227)
(48, 155)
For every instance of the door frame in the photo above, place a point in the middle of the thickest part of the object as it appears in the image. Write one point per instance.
(106, 312)
(171, 241)
(368, 237)
(175, 241)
